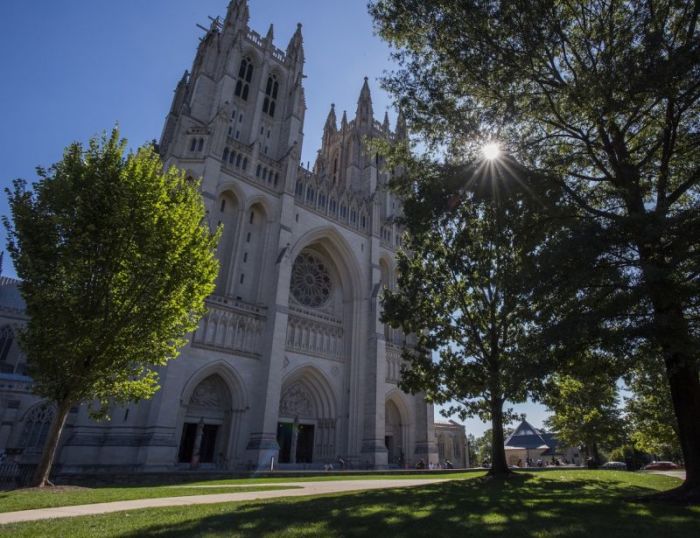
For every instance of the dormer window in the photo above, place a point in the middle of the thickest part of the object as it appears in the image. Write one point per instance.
(270, 101)
(245, 76)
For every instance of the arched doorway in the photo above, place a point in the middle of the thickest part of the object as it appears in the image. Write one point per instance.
(207, 424)
(307, 419)
(394, 433)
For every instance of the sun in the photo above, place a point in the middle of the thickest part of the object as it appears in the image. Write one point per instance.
(491, 151)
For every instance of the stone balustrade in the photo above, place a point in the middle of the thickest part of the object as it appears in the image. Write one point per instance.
(232, 327)
(322, 337)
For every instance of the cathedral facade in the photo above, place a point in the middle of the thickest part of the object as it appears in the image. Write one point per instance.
(291, 365)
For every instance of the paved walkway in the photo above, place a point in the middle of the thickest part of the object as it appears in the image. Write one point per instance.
(305, 488)
(675, 474)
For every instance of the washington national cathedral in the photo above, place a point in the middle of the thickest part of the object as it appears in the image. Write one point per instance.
(291, 361)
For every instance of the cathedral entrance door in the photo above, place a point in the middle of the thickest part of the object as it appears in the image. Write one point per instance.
(206, 448)
(284, 440)
(305, 443)
(389, 443)
(296, 442)
(189, 433)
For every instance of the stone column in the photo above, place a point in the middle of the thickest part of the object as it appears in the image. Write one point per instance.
(373, 443)
(295, 439)
(197, 448)
(426, 445)
(262, 445)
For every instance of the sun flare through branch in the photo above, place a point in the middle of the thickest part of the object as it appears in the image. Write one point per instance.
(491, 151)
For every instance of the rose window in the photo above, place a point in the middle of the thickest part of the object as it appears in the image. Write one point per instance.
(311, 283)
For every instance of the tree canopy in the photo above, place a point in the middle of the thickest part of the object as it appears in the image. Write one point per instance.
(462, 290)
(601, 97)
(586, 412)
(649, 412)
(115, 259)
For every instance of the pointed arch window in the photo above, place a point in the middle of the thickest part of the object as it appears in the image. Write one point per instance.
(36, 427)
(245, 76)
(270, 101)
(310, 194)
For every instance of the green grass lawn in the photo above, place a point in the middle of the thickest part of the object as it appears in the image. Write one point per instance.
(549, 504)
(353, 476)
(26, 499)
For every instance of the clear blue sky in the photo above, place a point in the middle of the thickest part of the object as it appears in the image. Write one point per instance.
(72, 68)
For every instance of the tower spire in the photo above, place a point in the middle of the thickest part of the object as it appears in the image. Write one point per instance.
(295, 49)
(270, 34)
(237, 12)
(331, 124)
(401, 130)
(365, 113)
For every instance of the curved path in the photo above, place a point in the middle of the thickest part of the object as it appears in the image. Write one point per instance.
(304, 488)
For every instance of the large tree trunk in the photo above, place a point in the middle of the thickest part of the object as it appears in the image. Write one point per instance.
(43, 470)
(685, 394)
(672, 334)
(499, 466)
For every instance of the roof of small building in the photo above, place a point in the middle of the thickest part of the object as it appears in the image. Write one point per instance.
(450, 425)
(526, 436)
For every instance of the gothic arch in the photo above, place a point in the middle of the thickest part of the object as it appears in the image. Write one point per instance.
(307, 417)
(253, 241)
(337, 247)
(399, 400)
(35, 426)
(387, 270)
(252, 53)
(316, 387)
(227, 211)
(397, 428)
(212, 402)
(239, 396)
(262, 201)
(234, 188)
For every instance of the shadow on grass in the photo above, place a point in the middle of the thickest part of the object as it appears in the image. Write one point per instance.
(520, 506)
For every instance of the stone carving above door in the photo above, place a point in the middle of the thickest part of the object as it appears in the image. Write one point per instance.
(208, 394)
(296, 402)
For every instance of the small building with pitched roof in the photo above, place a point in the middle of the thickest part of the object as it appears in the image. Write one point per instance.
(526, 445)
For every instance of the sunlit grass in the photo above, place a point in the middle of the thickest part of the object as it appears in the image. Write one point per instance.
(26, 499)
(549, 504)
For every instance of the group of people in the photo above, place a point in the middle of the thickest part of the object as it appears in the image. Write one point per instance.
(539, 463)
(447, 464)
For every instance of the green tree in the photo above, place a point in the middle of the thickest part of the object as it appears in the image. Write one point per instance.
(462, 293)
(482, 446)
(115, 260)
(586, 412)
(471, 448)
(652, 424)
(633, 457)
(602, 98)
